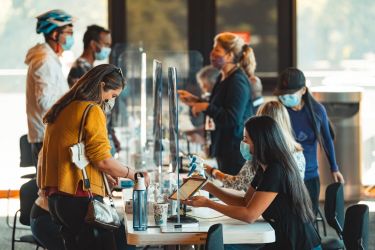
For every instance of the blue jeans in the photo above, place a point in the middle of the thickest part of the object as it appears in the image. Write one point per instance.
(46, 232)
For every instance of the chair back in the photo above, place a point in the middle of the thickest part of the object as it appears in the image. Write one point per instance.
(356, 227)
(25, 151)
(28, 195)
(334, 207)
(215, 238)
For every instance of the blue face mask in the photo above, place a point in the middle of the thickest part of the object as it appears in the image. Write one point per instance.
(290, 100)
(103, 53)
(245, 151)
(69, 41)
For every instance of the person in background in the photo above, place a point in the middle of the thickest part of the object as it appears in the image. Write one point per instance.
(257, 89)
(243, 179)
(206, 78)
(97, 42)
(277, 191)
(45, 82)
(61, 181)
(230, 102)
(310, 125)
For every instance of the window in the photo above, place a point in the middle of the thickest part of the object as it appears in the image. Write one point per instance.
(17, 35)
(336, 47)
(256, 19)
(157, 25)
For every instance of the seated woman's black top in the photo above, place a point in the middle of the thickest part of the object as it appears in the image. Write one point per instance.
(291, 232)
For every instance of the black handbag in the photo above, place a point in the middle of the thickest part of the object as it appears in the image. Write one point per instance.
(98, 214)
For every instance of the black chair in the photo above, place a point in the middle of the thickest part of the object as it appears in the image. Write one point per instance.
(320, 218)
(334, 213)
(26, 158)
(215, 238)
(356, 227)
(28, 195)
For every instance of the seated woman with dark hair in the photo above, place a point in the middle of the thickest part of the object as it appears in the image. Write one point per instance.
(277, 191)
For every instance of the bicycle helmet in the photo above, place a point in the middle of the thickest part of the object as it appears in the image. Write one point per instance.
(51, 20)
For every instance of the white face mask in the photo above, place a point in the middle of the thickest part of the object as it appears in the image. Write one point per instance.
(108, 105)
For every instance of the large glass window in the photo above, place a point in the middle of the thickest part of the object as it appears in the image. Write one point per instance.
(335, 41)
(257, 21)
(17, 35)
(157, 25)
(335, 44)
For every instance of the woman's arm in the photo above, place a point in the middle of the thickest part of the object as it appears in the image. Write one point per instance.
(114, 168)
(225, 196)
(240, 182)
(329, 148)
(250, 213)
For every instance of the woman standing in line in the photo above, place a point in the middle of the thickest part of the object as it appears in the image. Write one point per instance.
(230, 102)
(310, 125)
(61, 180)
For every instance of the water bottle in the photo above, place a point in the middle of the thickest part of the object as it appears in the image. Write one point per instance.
(139, 203)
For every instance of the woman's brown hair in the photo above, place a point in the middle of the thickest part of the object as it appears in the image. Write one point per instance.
(89, 88)
(243, 53)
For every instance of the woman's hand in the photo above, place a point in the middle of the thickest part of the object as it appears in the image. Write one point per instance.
(187, 97)
(147, 178)
(112, 181)
(208, 170)
(337, 177)
(199, 107)
(197, 201)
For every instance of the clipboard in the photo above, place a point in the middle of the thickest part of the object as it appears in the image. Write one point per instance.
(188, 188)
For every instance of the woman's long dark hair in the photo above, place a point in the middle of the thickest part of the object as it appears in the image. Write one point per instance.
(89, 88)
(269, 148)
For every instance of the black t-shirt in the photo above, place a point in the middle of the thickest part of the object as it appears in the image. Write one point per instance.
(291, 232)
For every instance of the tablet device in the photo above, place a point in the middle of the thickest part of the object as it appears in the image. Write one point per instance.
(188, 188)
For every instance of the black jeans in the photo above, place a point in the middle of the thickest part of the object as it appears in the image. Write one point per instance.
(313, 187)
(69, 212)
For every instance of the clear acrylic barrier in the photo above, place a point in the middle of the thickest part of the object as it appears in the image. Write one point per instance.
(134, 111)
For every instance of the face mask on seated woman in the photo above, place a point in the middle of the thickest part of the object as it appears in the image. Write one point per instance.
(245, 151)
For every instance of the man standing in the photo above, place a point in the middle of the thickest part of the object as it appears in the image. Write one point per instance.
(45, 82)
(97, 43)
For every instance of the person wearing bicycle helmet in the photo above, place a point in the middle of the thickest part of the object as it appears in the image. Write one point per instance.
(45, 81)
(45, 84)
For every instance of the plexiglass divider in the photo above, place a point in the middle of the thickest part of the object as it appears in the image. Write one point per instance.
(133, 116)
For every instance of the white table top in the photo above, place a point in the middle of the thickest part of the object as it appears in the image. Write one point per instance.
(234, 231)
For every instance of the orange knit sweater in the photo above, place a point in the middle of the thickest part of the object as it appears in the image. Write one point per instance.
(56, 168)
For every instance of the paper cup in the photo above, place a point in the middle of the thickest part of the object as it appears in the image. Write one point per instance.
(160, 213)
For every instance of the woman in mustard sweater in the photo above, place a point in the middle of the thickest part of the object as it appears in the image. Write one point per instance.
(60, 179)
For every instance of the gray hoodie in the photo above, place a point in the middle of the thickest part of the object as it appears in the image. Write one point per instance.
(45, 84)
